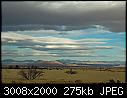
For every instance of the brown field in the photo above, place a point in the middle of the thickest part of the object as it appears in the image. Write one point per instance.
(89, 75)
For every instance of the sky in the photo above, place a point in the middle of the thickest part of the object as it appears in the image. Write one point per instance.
(75, 30)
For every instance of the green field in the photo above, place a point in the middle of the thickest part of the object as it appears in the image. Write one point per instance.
(60, 76)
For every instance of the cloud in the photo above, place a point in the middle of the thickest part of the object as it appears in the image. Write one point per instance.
(82, 55)
(36, 53)
(18, 39)
(71, 54)
(50, 28)
(15, 36)
(66, 33)
(42, 53)
(8, 53)
(52, 46)
(110, 14)
(65, 47)
(21, 53)
(37, 45)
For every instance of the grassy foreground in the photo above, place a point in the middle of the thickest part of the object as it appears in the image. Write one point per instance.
(60, 76)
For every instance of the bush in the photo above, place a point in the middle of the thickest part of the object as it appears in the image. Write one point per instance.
(71, 72)
(118, 81)
(13, 81)
(113, 81)
(78, 81)
(17, 67)
(30, 74)
(10, 67)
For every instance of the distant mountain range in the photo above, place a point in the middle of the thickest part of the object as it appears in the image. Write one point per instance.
(62, 62)
(11, 61)
(31, 62)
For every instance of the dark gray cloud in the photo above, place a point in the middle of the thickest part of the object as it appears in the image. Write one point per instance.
(105, 13)
(45, 27)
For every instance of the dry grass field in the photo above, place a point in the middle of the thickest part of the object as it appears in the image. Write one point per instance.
(61, 77)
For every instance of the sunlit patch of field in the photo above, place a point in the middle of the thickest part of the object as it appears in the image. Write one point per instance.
(89, 75)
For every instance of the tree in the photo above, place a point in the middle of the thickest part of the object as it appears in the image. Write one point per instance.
(30, 73)
(17, 67)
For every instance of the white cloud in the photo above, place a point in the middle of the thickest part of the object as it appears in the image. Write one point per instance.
(61, 46)
(49, 39)
(12, 37)
(29, 53)
(43, 46)
(41, 53)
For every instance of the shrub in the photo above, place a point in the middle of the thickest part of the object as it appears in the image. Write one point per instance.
(17, 67)
(113, 81)
(10, 67)
(71, 72)
(118, 81)
(78, 81)
(30, 74)
(13, 81)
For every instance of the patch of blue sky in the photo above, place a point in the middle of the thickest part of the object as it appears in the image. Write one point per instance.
(7, 47)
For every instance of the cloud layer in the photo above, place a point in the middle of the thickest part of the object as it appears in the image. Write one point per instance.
(48, 41)
(53, 46)
(110, 14)
(79, 30)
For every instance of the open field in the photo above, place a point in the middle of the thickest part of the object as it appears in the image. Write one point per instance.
(90, 75)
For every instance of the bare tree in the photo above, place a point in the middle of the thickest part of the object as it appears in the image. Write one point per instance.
(30, 73)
